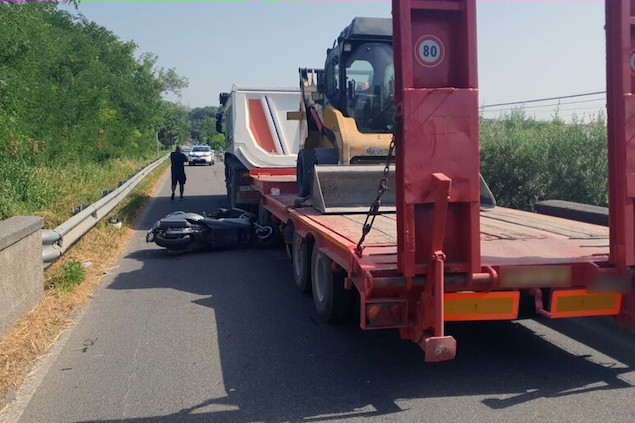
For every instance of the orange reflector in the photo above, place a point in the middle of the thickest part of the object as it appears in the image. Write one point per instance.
(581, 303)
(470, 306)
(373, 311)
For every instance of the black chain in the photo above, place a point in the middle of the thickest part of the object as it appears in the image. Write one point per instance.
(374, 207)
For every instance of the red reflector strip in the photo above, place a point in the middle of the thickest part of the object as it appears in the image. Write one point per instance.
(259, 126)
(581, 303)
(473, 306)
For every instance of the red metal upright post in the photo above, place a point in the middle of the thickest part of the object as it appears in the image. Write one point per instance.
(436, 92)
(620, 81)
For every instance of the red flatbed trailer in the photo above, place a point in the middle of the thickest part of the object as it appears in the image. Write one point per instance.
(521, 251)
(439, 257)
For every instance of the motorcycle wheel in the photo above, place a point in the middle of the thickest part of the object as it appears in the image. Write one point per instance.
(182, 243)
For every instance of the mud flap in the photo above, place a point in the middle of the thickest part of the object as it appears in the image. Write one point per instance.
(351, 188)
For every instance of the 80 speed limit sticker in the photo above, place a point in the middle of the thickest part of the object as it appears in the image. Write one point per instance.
(429, 51)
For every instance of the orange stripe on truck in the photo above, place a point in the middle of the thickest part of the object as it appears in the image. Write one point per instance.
(582, 303)
(473, 306)
(259, 126)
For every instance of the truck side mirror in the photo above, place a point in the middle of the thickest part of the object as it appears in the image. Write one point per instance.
(219, 123)
(222, 99)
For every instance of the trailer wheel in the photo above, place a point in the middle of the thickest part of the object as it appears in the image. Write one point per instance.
(300, 257)
(231, 187)
(332, 301)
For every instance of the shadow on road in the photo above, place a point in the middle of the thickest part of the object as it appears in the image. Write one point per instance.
(280, 363)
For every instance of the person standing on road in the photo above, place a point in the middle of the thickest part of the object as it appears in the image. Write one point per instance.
(178, 160)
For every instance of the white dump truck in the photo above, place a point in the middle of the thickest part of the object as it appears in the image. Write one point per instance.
(258, 136)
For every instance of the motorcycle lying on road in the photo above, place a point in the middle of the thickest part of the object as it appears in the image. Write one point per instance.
(227, 228)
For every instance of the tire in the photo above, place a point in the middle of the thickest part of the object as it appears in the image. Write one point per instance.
(332, 302)
(264, 216)
(304, 185)
(231, 189)
(305, 165)
(175, 244)
(300, 259)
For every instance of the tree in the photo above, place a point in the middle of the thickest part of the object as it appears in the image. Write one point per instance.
(70, 89)
(202, 122)
(175, 128)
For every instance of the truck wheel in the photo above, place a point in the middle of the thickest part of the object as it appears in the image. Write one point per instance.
(302, 174)
(332, 301)
(231, 188)
(300, 257)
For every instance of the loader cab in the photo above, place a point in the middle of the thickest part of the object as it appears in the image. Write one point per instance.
(359, 74)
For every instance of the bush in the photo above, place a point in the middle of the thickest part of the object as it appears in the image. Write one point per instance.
(525, 160)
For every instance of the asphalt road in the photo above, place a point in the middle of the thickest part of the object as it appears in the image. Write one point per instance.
(226, 337)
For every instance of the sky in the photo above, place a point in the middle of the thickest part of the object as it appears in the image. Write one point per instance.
(526, 49)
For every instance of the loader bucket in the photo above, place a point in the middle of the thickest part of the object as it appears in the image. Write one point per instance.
(351, 189)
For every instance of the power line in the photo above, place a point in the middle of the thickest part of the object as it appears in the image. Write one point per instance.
(543, 99)
(555, 105)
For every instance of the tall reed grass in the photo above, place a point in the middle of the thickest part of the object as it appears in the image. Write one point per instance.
(525, 160)
(28, 188)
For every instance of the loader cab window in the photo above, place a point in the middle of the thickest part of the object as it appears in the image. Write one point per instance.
(333, 82)
(370, 78)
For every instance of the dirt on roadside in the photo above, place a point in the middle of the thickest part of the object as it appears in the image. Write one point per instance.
(98, 252)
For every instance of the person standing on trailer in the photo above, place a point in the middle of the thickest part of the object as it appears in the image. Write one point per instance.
(178, 160)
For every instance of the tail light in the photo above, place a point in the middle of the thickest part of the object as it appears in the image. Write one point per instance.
(388, 314)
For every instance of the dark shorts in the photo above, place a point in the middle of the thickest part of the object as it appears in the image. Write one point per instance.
(180, 179)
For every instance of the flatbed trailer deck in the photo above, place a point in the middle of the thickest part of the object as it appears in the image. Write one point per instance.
(523, 254)
(508, 236)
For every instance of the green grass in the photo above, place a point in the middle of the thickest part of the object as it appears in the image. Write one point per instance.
(53, 191)
(70, 275)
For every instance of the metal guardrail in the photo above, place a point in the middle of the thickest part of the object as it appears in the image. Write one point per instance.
(56, 241)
